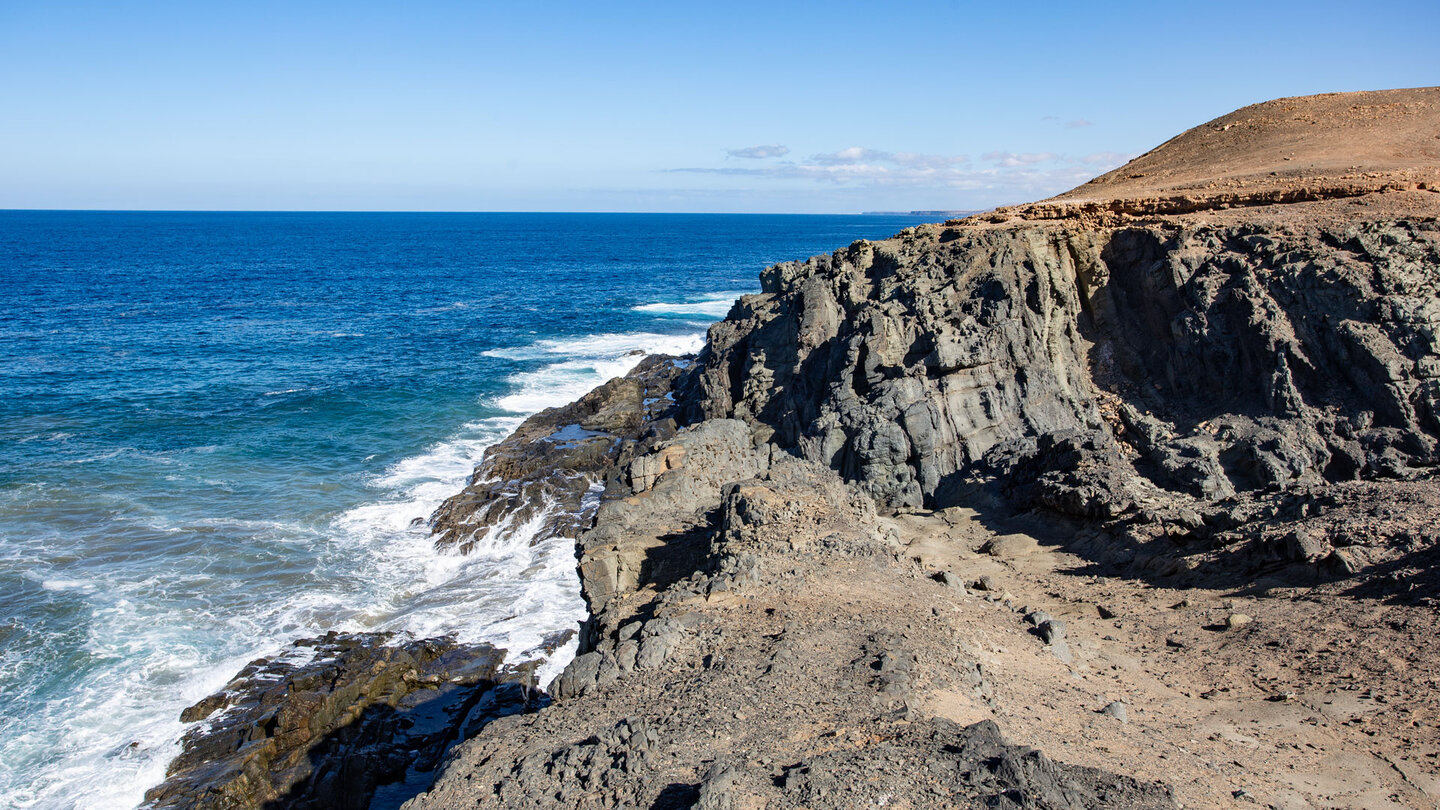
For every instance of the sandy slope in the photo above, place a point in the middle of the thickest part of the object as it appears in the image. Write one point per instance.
(1302, 149)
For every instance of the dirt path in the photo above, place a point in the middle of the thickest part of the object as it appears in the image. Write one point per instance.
(1319, 700)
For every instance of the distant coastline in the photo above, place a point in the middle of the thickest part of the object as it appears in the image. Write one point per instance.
(935, 213)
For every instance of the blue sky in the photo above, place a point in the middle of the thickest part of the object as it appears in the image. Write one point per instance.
(764, 107)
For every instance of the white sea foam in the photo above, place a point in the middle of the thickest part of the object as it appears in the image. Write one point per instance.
(607, 345)
(714, 305)
(119, 727)
(67, 585)
(156, 638)
(589, 362)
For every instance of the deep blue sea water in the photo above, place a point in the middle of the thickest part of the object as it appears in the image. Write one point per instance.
(216, 429)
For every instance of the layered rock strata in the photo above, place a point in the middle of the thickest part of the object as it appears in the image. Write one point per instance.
(1171, 375)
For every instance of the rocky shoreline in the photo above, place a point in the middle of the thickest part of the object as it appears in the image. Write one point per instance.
(1154, 492)
(331, 720)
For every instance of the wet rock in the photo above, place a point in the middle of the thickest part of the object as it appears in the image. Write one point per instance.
(554, 459)
(335, 717)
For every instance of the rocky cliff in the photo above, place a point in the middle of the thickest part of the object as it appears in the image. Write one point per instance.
(1164, 370)
(1142, 477)
(1079, 471)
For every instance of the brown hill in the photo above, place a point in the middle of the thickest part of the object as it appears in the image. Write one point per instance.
(1305, 148)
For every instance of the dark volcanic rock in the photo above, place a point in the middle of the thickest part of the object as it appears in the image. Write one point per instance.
(1170, 381)
(936, 763)
(546, 467)
(324, 725)
(692, 695)
(930, 763)
(1199, 361)
(1154, 375)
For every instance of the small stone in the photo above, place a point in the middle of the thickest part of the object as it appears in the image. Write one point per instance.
(1115, 709)
(1010, 546)
(1037, 617)
(1235, 620)
(1051, 630)
(985, 583)
(948, 579)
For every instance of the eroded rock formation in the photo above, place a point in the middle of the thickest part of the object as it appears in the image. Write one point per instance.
(1201, 360)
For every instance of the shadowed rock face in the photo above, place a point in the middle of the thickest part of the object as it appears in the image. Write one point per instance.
(1199, 361)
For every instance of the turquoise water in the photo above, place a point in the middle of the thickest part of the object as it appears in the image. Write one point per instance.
(216, 430)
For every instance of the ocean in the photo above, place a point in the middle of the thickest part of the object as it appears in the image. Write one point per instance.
(217, 429)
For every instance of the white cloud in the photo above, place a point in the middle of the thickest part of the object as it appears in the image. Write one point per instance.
(1012, 159)
(759, 152)
(856, 155)
(1019, 175)
(850, 156)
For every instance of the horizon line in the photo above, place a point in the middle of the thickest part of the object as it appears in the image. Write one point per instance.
(915, 212)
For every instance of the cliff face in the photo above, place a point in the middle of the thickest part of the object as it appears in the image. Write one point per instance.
(1189, 360)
